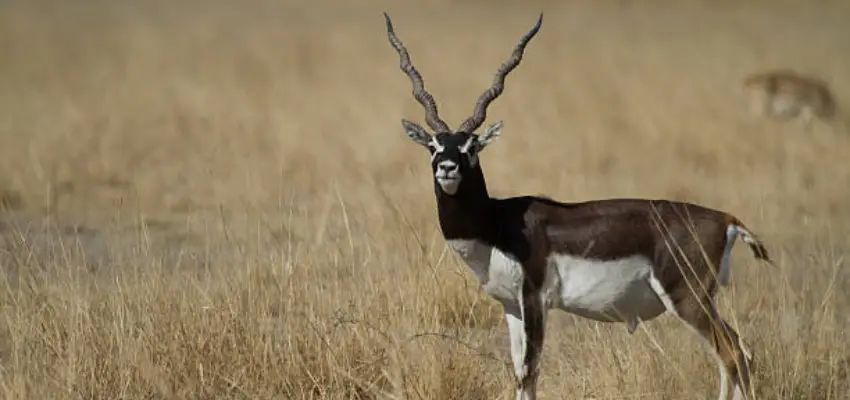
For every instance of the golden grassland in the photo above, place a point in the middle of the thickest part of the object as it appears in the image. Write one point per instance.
(205, 200)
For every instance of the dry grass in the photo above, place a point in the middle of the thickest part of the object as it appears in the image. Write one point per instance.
(205, 201)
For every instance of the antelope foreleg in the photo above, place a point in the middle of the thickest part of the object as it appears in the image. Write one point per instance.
(527, 324)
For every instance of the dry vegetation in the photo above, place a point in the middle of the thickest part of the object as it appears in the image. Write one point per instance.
(209, 201)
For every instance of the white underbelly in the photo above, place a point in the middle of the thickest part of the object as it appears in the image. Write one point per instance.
(616, 291)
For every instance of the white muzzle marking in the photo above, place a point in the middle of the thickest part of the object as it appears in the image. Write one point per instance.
(448, 176)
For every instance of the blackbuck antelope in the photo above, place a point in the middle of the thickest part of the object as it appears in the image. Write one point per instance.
(615, 260)
(784, 94)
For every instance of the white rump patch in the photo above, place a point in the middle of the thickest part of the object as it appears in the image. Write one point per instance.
(725, 271)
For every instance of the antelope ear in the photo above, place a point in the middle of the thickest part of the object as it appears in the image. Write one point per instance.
(416, 133)
(491, 133)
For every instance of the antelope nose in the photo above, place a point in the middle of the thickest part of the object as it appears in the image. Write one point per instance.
(447, 167)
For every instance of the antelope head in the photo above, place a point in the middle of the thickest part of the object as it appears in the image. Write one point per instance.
(454, 154)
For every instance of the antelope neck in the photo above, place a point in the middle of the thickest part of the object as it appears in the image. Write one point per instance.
(468, 213)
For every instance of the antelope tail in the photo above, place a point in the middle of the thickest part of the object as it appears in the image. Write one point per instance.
(735, 228)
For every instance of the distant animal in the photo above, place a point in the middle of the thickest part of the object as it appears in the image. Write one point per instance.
(785, 94)
(613, 260)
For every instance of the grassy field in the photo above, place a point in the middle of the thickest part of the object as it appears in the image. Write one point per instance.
(202, 200)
